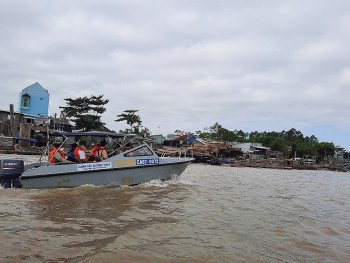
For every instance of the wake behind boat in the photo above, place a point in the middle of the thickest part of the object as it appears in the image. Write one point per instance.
(123, 166)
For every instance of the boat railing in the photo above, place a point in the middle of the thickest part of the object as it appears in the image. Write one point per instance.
(182, 151)
(122, 146)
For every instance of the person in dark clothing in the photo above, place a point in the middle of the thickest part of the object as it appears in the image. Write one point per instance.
(71, 157)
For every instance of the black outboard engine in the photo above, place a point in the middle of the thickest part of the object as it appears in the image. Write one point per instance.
(10, 171)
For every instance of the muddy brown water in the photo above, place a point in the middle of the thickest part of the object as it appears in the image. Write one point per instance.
(209, 214)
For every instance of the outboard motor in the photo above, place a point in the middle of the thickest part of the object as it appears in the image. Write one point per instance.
(10, 171)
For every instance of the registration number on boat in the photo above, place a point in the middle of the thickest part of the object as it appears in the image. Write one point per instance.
(147, 161)
(93, 166)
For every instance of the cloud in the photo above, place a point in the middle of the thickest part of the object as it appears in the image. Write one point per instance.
(186, 64)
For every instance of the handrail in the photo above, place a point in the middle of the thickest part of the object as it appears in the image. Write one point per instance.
(184, 151)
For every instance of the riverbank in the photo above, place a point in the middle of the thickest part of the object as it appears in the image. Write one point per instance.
(335, 168)
(26, 158)
(223, 154)
(223, 162)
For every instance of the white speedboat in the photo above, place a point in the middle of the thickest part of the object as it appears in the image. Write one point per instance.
(138, 164)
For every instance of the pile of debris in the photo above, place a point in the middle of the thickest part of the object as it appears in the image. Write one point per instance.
(207, 153)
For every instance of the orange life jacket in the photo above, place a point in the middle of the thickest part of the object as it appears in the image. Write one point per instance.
(52, 153)
(99, 151)
(76, 153)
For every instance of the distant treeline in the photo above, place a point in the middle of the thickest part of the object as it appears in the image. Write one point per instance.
(291, 143)
(86, 112)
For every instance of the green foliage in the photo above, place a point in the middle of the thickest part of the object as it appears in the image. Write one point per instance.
(131, 119)
(86, 112)
(134, 121)
(279, 144)
(290, 142)
(218, 133)
(143, 131)
(326, 148)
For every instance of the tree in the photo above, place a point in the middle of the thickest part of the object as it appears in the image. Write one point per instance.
(279, 144)
(326, 149)
(86, 112)
(313, 138)
(293, 135)
(215, 127)
(131, 119)
(213, 131)
(144, 131)
(291, 142)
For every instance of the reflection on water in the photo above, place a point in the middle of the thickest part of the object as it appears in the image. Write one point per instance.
(211, 214)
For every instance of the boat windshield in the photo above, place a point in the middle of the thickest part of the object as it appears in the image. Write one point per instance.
(142, 151)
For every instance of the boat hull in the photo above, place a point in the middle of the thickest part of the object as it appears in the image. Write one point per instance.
(68, 176)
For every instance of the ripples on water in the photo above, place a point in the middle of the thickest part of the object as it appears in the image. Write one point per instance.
(209, 214)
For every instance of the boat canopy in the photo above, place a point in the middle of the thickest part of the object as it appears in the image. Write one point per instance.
(24, 139)
(90, 134)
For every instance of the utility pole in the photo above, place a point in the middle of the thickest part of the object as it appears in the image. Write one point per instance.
(12, 120)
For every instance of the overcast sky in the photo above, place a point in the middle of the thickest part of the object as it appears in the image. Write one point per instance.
(254, 65)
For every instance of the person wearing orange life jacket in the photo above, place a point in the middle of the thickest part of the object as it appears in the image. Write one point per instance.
(99, 152)
(71, 154)
(80, 152)
(56, 155)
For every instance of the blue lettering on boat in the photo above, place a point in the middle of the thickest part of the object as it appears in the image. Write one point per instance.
(147, 161)
(93, 166)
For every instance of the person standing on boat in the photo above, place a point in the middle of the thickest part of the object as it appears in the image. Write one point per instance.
(56, 155)
(99, 152)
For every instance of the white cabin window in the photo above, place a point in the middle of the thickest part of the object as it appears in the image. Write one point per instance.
(142, 151)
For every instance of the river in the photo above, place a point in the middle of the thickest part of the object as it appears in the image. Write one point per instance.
(209, 214)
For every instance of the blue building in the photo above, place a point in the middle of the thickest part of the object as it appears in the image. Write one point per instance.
(34, 100)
